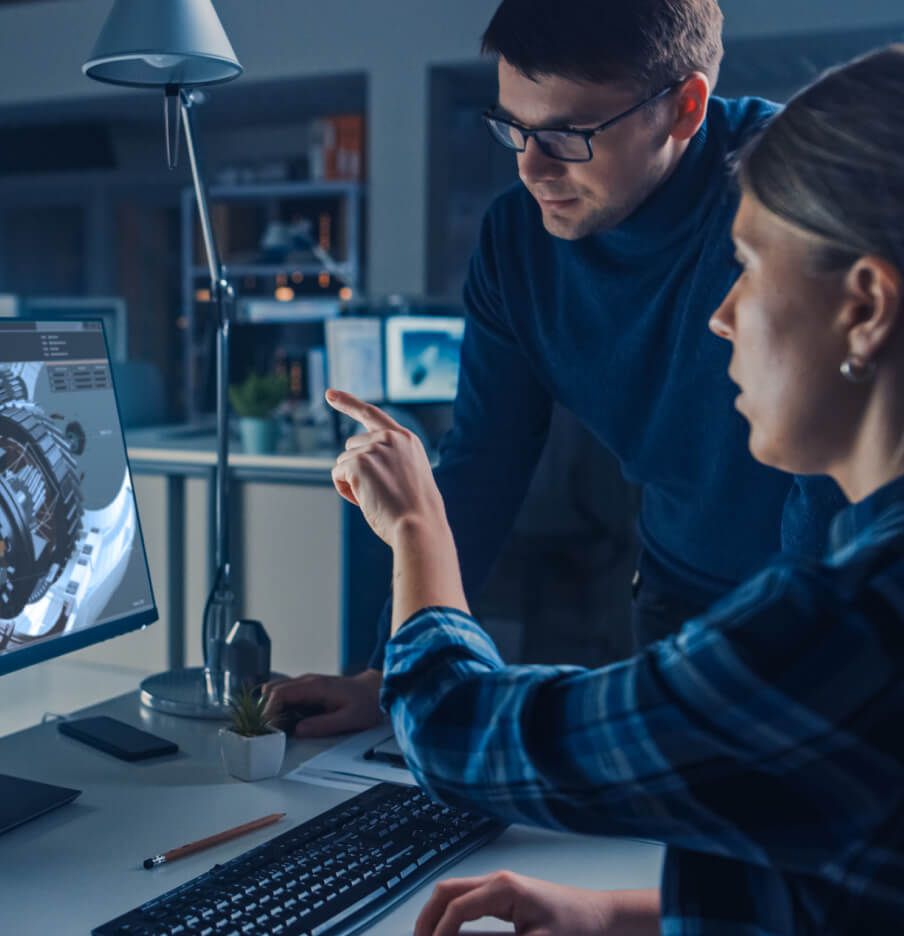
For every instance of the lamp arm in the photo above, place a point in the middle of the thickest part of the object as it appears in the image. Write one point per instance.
(224, 297)
(210, 247)
(219, 610)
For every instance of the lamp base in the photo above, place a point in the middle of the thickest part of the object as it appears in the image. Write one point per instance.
(183, 692)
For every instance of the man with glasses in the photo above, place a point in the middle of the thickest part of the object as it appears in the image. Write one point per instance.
(566, 145)
(591, 286)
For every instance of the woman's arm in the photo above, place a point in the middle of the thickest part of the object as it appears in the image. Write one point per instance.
(747, 735)
(387, 474)
(425, 571)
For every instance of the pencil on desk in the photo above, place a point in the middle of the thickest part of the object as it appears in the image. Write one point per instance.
(212, 840)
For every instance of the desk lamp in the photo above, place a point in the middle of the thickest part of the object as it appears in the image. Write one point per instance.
(177, 46)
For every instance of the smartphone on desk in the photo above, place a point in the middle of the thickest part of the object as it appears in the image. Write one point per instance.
(117, 738)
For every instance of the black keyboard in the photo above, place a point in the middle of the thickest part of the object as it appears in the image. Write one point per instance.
(330, 876)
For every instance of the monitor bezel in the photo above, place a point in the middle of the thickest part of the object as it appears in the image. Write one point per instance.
(58, 646)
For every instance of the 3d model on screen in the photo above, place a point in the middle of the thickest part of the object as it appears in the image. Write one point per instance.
(422, 364)
(64, 541)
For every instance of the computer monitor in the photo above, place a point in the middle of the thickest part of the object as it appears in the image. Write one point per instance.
(73, 569)
(354, 356)
(422, 357)
(111, 310)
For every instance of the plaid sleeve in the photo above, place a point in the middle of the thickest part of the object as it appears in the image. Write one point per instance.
(739, 737)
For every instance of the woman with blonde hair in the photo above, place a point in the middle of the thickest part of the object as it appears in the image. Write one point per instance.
(764, 743)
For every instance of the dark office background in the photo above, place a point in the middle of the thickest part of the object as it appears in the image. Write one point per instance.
(87, 207)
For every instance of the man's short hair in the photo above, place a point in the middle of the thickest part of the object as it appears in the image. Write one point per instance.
(648, 43)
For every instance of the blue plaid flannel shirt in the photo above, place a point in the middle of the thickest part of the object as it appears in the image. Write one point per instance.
(764, 744)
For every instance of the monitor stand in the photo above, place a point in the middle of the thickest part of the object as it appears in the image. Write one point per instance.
(21, 800)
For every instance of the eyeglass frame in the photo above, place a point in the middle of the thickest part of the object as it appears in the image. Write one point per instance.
(527, 133)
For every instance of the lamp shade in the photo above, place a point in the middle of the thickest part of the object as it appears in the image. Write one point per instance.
(153, 43)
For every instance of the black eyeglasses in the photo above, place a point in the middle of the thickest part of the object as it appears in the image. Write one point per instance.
(566, 145)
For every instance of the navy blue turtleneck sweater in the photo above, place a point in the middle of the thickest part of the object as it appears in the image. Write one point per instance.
(614, 327)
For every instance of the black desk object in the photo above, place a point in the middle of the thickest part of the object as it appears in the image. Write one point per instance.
(21, 800)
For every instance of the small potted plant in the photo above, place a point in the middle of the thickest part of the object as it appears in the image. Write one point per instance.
(254, 401)
(252, 749)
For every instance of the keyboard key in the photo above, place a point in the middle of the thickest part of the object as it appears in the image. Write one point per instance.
(358, 905)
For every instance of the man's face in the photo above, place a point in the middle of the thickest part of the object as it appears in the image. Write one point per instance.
(629, 160)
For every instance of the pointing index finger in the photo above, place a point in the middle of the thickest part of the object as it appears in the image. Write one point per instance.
(372, 417)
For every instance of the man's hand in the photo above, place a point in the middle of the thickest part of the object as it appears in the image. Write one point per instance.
(350, 703)
(538, 908)
(386, 472)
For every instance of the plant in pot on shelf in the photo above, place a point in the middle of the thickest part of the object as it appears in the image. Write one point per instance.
(252, 748)
(255, 401)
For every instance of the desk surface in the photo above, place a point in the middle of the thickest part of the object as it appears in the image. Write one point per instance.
(80, 865)
(183, 449)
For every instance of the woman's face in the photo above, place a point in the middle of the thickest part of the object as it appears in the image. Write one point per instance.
(782, 320)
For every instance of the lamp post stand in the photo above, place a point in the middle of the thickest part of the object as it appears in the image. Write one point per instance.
(199, 692)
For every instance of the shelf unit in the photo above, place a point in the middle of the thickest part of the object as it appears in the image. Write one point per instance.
(271, 201)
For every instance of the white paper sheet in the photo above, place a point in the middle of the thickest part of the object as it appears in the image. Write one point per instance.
(344, 766)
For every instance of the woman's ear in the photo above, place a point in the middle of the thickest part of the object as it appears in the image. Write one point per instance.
(693, 97)
(873, 306)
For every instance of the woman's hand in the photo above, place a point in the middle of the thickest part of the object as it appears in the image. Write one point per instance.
(538, 908)
(386, 473)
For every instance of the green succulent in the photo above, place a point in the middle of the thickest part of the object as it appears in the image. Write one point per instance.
(248, 717)
(259, 394)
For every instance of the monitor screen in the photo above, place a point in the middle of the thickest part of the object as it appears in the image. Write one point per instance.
(73, 569)
(422, 355)
(354, 356)
(111, 310)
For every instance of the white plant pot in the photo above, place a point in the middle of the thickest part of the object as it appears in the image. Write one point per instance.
(252, 758)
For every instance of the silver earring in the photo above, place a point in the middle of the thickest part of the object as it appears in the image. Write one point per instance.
(857, 371)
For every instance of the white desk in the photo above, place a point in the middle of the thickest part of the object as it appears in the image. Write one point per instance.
(80, 865)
